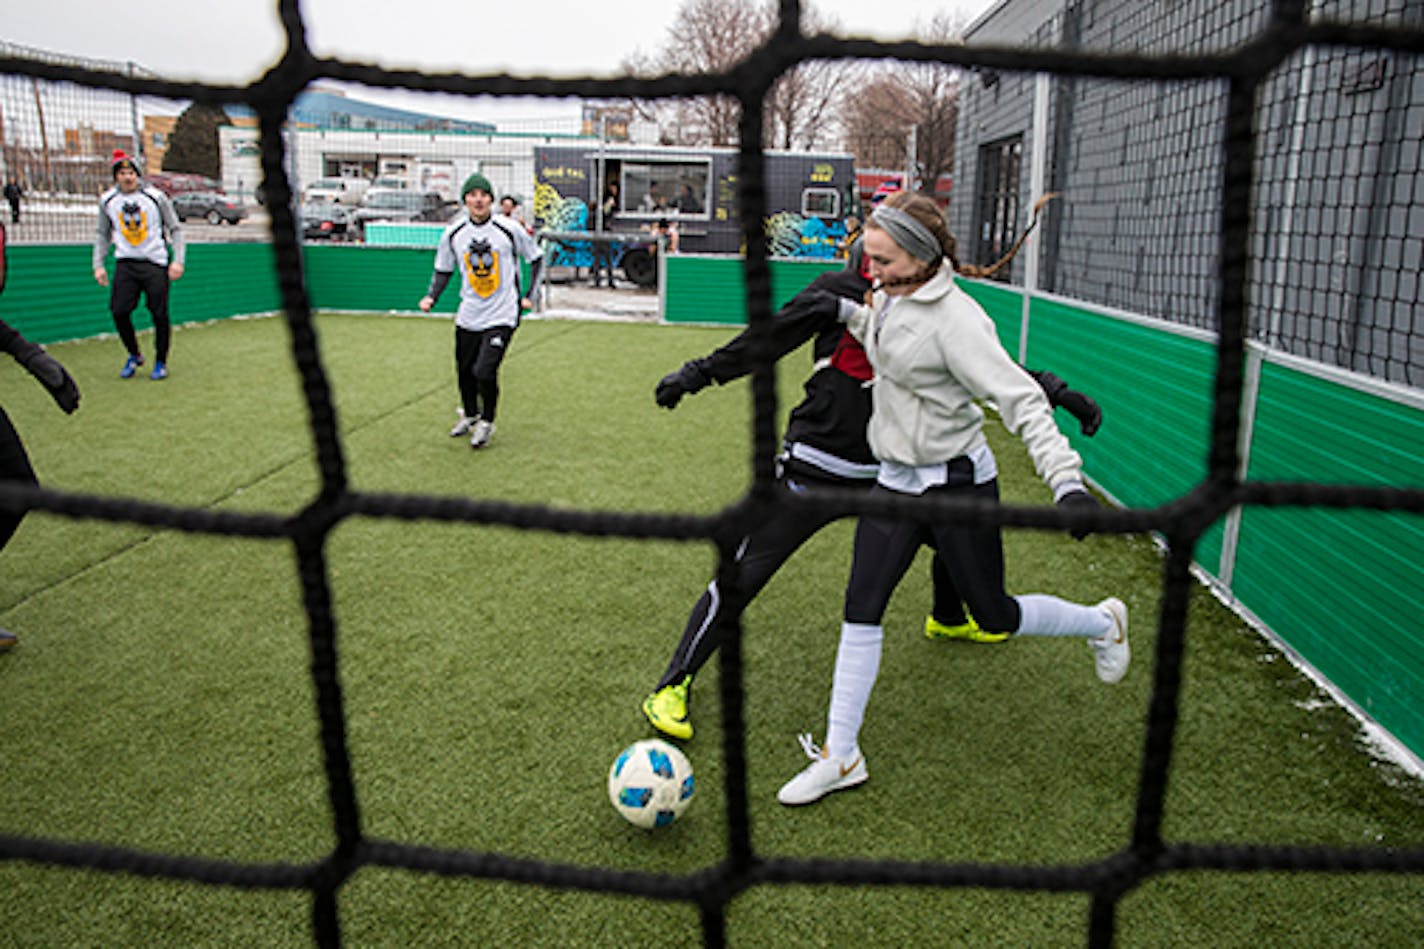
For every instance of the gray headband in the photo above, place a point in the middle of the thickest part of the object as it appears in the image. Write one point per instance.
(909, 233)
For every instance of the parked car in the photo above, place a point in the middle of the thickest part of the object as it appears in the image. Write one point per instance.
(324, 221)
(177, 182)
(347, 191)
(390, 184)
(215, 208)
(389, 205)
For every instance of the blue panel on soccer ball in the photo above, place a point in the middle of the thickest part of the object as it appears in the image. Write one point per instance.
(664, 818)
(686, 789)
(622, 760)
(661, 763)
(635, 797)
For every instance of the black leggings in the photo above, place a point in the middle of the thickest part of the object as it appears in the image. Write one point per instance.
(478, 354)
(761, 554)
(14, 466)
(132, 278)
(972, 555)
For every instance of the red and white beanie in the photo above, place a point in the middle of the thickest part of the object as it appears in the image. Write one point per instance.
(121, 160)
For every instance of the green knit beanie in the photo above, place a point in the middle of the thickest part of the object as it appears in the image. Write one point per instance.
(476, 180)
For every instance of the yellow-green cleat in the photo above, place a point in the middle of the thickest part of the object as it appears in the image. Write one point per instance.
(969, 631)
(666, 709)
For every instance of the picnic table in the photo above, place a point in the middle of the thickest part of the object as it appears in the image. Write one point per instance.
(632, 252)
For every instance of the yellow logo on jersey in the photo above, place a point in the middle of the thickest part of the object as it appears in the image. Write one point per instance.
(133, 223)
(482, 269)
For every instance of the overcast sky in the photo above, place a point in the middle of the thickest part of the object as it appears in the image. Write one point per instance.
(234, 41)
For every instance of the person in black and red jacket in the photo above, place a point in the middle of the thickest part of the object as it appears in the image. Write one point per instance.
(824, 446)
(14, 463)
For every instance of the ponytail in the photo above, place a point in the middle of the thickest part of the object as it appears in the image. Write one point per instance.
(971, 270)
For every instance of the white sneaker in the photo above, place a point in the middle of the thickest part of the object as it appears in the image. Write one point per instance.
(825, 774)
(1110, 652)
(463, 426)
(482, 431)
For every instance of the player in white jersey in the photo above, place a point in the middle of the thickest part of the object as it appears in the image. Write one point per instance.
(486, 249)
(139, 222)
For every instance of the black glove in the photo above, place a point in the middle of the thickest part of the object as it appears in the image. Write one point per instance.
(685, 381)
(52, 376)
(1078, 500)
(1081, 407)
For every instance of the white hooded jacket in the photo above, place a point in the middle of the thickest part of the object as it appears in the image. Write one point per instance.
(935, 352)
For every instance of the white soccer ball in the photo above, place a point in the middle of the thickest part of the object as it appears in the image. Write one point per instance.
(650, 783)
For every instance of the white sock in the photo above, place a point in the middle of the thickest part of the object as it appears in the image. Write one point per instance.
(857, 665)
(1044, 615)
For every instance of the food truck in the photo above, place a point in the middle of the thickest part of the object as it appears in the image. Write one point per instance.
(694, 190)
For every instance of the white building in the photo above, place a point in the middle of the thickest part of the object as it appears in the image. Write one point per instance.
(424, 160)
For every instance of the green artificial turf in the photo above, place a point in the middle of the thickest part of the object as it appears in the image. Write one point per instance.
(160, 698)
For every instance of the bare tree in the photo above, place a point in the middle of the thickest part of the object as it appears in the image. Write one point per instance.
(803, 108)
(707, 36)
(905, 97)
(710, 36)
(878, 120)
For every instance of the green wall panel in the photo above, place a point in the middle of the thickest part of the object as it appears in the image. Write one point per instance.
(1312, 429)
(1004, 306)
(1344, 587)
(1155, 390)
(712, 289)
(50, 293)
(351, 277)
(403, 234)
(1154, 387)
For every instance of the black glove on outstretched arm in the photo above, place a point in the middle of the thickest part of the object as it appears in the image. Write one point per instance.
(685, 381)
(47, 370)
(1080, 500)
(1081, 407)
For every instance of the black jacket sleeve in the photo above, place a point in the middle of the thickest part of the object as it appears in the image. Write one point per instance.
(813, 311)
(438, 283)
(12, 342)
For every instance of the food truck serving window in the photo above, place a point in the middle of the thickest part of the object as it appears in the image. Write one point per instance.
(663, 188)
(821, 202)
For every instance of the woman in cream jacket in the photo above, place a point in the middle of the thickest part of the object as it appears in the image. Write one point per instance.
(935, 354)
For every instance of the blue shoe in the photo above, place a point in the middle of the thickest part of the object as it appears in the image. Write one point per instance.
(7, 640)
(160, 371)
(130, 367)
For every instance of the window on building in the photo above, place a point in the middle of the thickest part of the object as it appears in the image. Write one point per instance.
(663, 188)
(821, 202)
(997, 207)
